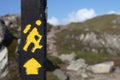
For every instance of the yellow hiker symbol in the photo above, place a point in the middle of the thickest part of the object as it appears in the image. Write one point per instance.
(32, 67)
(33, 37)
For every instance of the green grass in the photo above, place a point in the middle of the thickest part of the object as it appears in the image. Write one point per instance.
(103, 23)
(51, 76)
(92, 58)
(11, 49)
(13, 31)
(65, 41)
(56, 61)
(13, 65)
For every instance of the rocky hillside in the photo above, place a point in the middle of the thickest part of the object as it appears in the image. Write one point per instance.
(3, 51)
(9, 34)
(78, 51)
(82, 45)
(98, 35)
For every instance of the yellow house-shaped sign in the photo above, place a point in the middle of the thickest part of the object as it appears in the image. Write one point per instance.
(32, 67)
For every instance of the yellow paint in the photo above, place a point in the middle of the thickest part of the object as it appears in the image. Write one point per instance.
(32, 67)
(38, 22)
(27, 28)
(31, 39)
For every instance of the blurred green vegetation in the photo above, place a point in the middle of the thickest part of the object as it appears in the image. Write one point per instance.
(103, 23)
(55, 60)
(51, 76)
(12, 48)
(67, 41)
(92, 58)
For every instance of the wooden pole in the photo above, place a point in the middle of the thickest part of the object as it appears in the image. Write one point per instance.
(32, 48)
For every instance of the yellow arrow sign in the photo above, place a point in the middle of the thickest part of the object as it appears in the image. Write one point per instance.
(32, 67)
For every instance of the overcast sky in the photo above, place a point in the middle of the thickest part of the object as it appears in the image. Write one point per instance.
(66, 11)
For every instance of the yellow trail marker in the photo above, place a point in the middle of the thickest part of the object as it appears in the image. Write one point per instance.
(32, 67)
(31, 39)
(33, 45)
(27, 28)
(38, 22)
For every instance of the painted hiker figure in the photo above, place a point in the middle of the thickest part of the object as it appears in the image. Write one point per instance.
(33, 37)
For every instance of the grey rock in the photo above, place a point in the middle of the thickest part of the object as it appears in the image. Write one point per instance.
(60, 74)
(111, 76)
(68, 57)
(2, 30)
(81, 37)
(51, 42)
(77, 65)
(3, 62)
(72, 76)
(94, 50)
(96, 41)
(104, 67)
(84, 75)
(12, 22)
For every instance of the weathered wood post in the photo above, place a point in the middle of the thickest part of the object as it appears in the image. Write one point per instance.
(32, 48)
